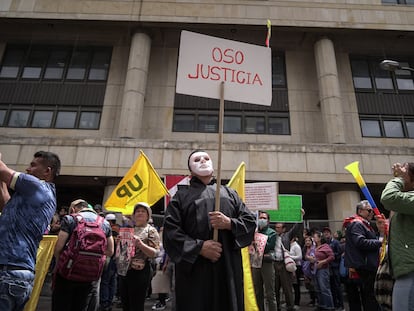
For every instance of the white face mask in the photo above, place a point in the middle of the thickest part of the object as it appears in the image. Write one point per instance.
(262, 223)
(201, 164)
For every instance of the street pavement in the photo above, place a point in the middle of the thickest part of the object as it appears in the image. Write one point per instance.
(45, 302)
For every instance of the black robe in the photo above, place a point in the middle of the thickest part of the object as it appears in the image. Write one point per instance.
(200, 284)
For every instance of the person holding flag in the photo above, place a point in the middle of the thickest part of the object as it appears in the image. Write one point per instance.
(362, 254)
(209, 273)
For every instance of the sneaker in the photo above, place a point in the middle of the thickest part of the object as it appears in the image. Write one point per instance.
(158, 306)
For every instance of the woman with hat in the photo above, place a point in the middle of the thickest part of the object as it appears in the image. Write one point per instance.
(134, 285)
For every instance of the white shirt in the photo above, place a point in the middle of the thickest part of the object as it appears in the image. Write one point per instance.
(278, 248)
(296, 253)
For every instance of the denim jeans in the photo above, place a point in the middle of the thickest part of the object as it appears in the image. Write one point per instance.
(403, 293)
(15, 289)
(108, 285)
(323, 289)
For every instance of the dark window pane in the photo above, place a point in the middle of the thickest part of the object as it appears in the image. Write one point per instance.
(2, 117)
(77, 66)
(410, 128)
(89, 120)
(19, 118)
(404, 78)
(255, 125)
(42, 119)
(278, 71)
(183, 123)
(360, 74)
(279, 126)
(66, 119)
(393, 128)
(370, 128)
(208, 123)
(232, 124)
(56, 65)
(11, 63)
(34, 64)
(390, 1)
(383, 79)
(100, 66)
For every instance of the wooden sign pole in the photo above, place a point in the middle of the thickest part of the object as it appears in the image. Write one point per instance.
(220, 147)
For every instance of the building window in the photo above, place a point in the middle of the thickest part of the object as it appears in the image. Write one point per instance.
(384, 98)
(196, 114)
(370, 77)
(50, 117)
(410, 128)
(18, 118)
(12, 61)
(371, 128)
(234, 122)
(89, 120)
(184, 122)
(398, 1)
(361, 74)
(53, 86)
(42, 119)
(387, 126)
(56, 63)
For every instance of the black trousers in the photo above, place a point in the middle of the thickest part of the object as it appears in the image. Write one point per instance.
(133, 288)
(369, 302)
(70, 295)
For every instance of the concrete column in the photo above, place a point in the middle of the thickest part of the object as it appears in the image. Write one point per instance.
(109, 188)
(329, 93)
(340, 205)
(131, 116)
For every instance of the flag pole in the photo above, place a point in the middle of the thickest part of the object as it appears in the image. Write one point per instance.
(220, 147)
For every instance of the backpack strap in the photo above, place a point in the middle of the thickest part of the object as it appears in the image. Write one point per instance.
(99, 221)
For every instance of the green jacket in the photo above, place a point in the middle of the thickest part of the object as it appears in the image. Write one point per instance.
(401, 238)
(271, 239)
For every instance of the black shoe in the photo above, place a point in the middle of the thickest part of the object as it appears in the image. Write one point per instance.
(158, 306)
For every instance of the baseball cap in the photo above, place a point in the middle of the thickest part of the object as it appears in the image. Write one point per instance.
(77, 202)
(110, 217)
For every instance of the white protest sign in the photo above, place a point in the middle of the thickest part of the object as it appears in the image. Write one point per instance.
(261, 195)
(204, 62)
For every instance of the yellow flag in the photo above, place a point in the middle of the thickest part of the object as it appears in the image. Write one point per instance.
(140, 184)
(43, 259)
(237, 183)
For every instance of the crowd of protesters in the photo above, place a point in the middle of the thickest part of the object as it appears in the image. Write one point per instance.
(328, 264)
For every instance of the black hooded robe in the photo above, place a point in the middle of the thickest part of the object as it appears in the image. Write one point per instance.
(200, 284)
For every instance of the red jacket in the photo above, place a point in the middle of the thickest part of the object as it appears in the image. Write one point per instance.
(324, 252)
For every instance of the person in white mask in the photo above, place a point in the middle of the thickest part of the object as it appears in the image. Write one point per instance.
(209, 274)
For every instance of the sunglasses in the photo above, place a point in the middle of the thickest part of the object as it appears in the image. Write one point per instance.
(369, 210)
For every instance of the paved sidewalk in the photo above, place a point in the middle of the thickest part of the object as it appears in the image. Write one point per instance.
(45, 301)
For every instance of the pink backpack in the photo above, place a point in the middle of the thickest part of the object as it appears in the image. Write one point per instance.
(84, 257)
